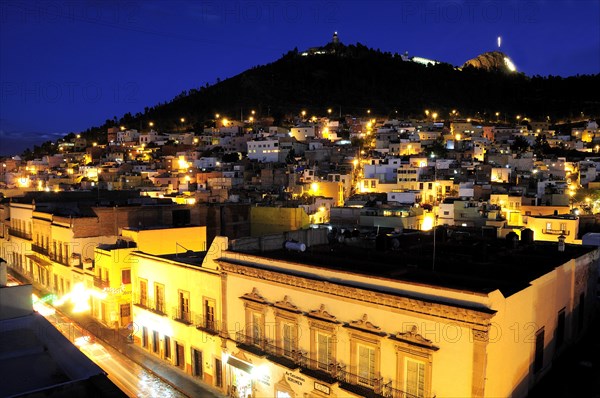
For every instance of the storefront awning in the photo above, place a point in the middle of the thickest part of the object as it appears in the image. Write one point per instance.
(246, 367)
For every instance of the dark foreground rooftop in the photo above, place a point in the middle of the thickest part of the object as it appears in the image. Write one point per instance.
(461, 262)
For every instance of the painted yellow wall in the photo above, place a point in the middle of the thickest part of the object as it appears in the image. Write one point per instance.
(272, 220)
(201, 283)
(168, 240)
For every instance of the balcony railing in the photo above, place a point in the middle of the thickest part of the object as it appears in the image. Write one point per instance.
(252, 340)
(182, 316)
(39, 249)
(279, 351)
(371, 382)
(140, 301)
(330, 372)
(158, 307)
(101, 283)
(208, 325)
(556, 232)
(390, 392)
(64, 260)
(19, 234)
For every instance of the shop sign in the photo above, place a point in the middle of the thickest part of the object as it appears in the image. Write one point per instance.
(322, 388)
(292, 378)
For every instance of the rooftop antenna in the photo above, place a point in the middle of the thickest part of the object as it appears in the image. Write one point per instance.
(183, 247)
(499, 41)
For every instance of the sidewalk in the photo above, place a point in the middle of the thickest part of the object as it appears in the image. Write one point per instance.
(117, 339)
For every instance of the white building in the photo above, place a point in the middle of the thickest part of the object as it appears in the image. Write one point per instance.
(302, 133)
(266, 150)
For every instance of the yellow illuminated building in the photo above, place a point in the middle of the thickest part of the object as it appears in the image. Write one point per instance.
(299, 326)
(111, 303)
(270, 220)
(177, 311)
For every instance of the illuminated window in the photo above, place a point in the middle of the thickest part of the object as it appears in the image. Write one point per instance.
(155, 342)
(325, 350)
(255, 306)
(256, 328)
(414, 378)
(414, 363)
(183, 311)
(209, 314)
(563, 226)
(126, 276)
(167, 347)
(144, 337)
(143, 298)
(159, 297)
(366, 365)
(323, 339)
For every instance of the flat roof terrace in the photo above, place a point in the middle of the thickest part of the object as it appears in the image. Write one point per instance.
(460, 262)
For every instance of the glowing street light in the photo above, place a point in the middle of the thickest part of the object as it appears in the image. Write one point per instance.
(303, 113)
(151, 124)
(329, 111)
(182, 120)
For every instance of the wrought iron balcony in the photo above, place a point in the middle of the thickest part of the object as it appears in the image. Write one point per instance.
(19, 234)
(556, 232)
(388, 391)
(358, 383)
(182, 316)
(208, 325)
(257, 340)
(64, 260)
(101, 283)
(140, 301)
(39, 249)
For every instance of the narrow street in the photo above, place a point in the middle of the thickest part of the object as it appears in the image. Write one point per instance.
(130, 377)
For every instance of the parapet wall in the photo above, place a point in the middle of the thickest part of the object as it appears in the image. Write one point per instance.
(310, 237)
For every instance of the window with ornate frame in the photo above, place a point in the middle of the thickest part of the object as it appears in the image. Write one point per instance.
(323, 340)
(365, 353)
(286, 324)
(254, 332)
(414, 361)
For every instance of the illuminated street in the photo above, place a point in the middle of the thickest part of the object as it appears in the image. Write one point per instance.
(134, 380)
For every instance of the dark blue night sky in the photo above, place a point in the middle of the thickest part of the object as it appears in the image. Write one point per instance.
(66, 66)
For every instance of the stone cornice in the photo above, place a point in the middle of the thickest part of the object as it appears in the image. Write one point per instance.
(466, 316)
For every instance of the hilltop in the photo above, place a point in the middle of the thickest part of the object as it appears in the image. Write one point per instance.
(353, 78)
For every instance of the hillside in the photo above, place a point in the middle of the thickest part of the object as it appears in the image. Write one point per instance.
(355, 78)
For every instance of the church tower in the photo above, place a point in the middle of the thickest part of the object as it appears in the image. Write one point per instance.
(336, 39)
